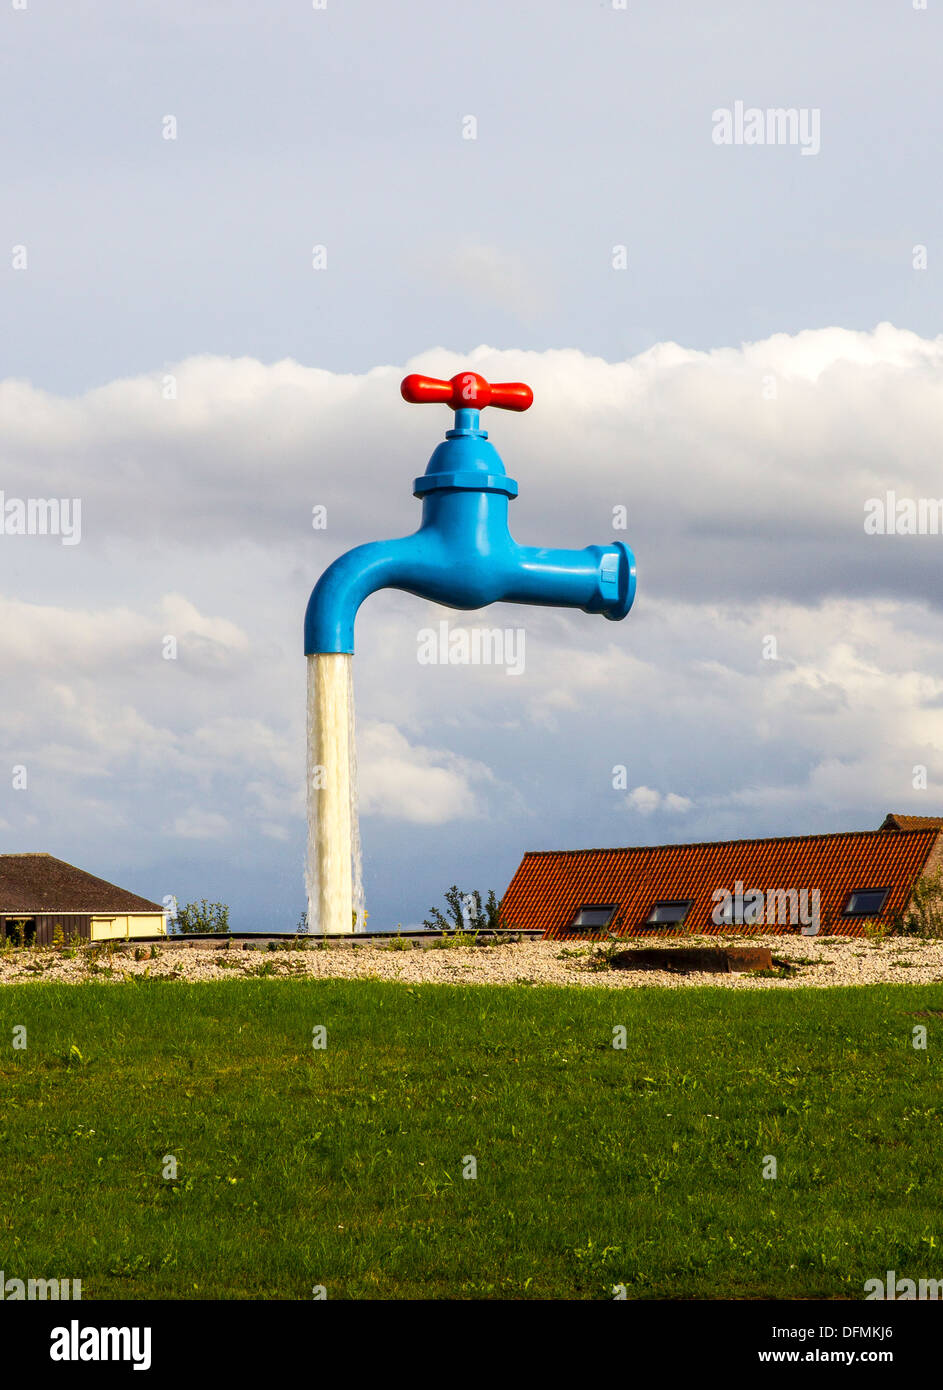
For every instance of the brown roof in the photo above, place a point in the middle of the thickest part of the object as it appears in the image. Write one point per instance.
(894, 822)
(39, 883)
(549, 888)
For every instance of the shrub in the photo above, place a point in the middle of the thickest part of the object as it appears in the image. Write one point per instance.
(16, 930)
(924, 914)
(605, 953)
(876, 931)
(466, 913)
(203, 918)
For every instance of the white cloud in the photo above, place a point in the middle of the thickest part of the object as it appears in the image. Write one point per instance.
(646, 801)
(424, 786)
(74, 640)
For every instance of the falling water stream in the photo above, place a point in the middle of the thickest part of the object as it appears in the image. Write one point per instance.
(333, 866)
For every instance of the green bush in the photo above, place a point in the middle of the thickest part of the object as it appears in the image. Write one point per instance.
(203, 917)
(466, 913)
(924, 913)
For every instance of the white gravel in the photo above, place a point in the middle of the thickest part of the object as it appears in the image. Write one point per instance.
(817, 962)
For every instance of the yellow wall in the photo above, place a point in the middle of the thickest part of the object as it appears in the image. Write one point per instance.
(129, 925)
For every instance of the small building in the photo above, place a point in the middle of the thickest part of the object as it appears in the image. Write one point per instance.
(39, 894)
(843, 881)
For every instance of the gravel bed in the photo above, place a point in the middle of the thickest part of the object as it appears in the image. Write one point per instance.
(814, 962)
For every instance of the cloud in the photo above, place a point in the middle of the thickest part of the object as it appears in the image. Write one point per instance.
(78, 640)
(420, 785)
(646, 801)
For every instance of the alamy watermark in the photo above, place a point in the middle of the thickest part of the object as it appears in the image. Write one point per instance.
(891, 515)
(476, 646)
(891, 1288)
(774, 907)
(42, 516)
(78, 1343)
(56, 1290)
(776, 125)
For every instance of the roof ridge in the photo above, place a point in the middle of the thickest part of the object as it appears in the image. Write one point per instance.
(757, 840)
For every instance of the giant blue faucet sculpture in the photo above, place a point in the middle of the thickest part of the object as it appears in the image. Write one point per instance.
(463, 555)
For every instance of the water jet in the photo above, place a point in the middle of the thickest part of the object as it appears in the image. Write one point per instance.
(462, 556)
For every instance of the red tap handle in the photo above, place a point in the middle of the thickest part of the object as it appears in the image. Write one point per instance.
(466, 391)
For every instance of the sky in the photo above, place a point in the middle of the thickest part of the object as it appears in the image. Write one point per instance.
(228, 230)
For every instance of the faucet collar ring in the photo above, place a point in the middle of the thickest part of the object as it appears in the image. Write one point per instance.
(465, 482)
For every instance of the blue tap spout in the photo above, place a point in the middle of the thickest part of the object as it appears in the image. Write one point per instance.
(463, 555)
(342, 588)
(598, 579)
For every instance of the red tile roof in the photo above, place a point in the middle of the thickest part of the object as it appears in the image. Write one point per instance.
(549, 888)
(894, 822)
(37, 883)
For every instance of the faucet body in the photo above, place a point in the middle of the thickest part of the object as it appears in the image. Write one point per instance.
(463, 554)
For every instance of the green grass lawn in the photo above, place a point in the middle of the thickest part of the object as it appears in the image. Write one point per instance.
(343, 1167)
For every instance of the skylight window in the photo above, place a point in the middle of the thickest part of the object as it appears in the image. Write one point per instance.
(667, 912)
(865, 902)
(594, 915)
